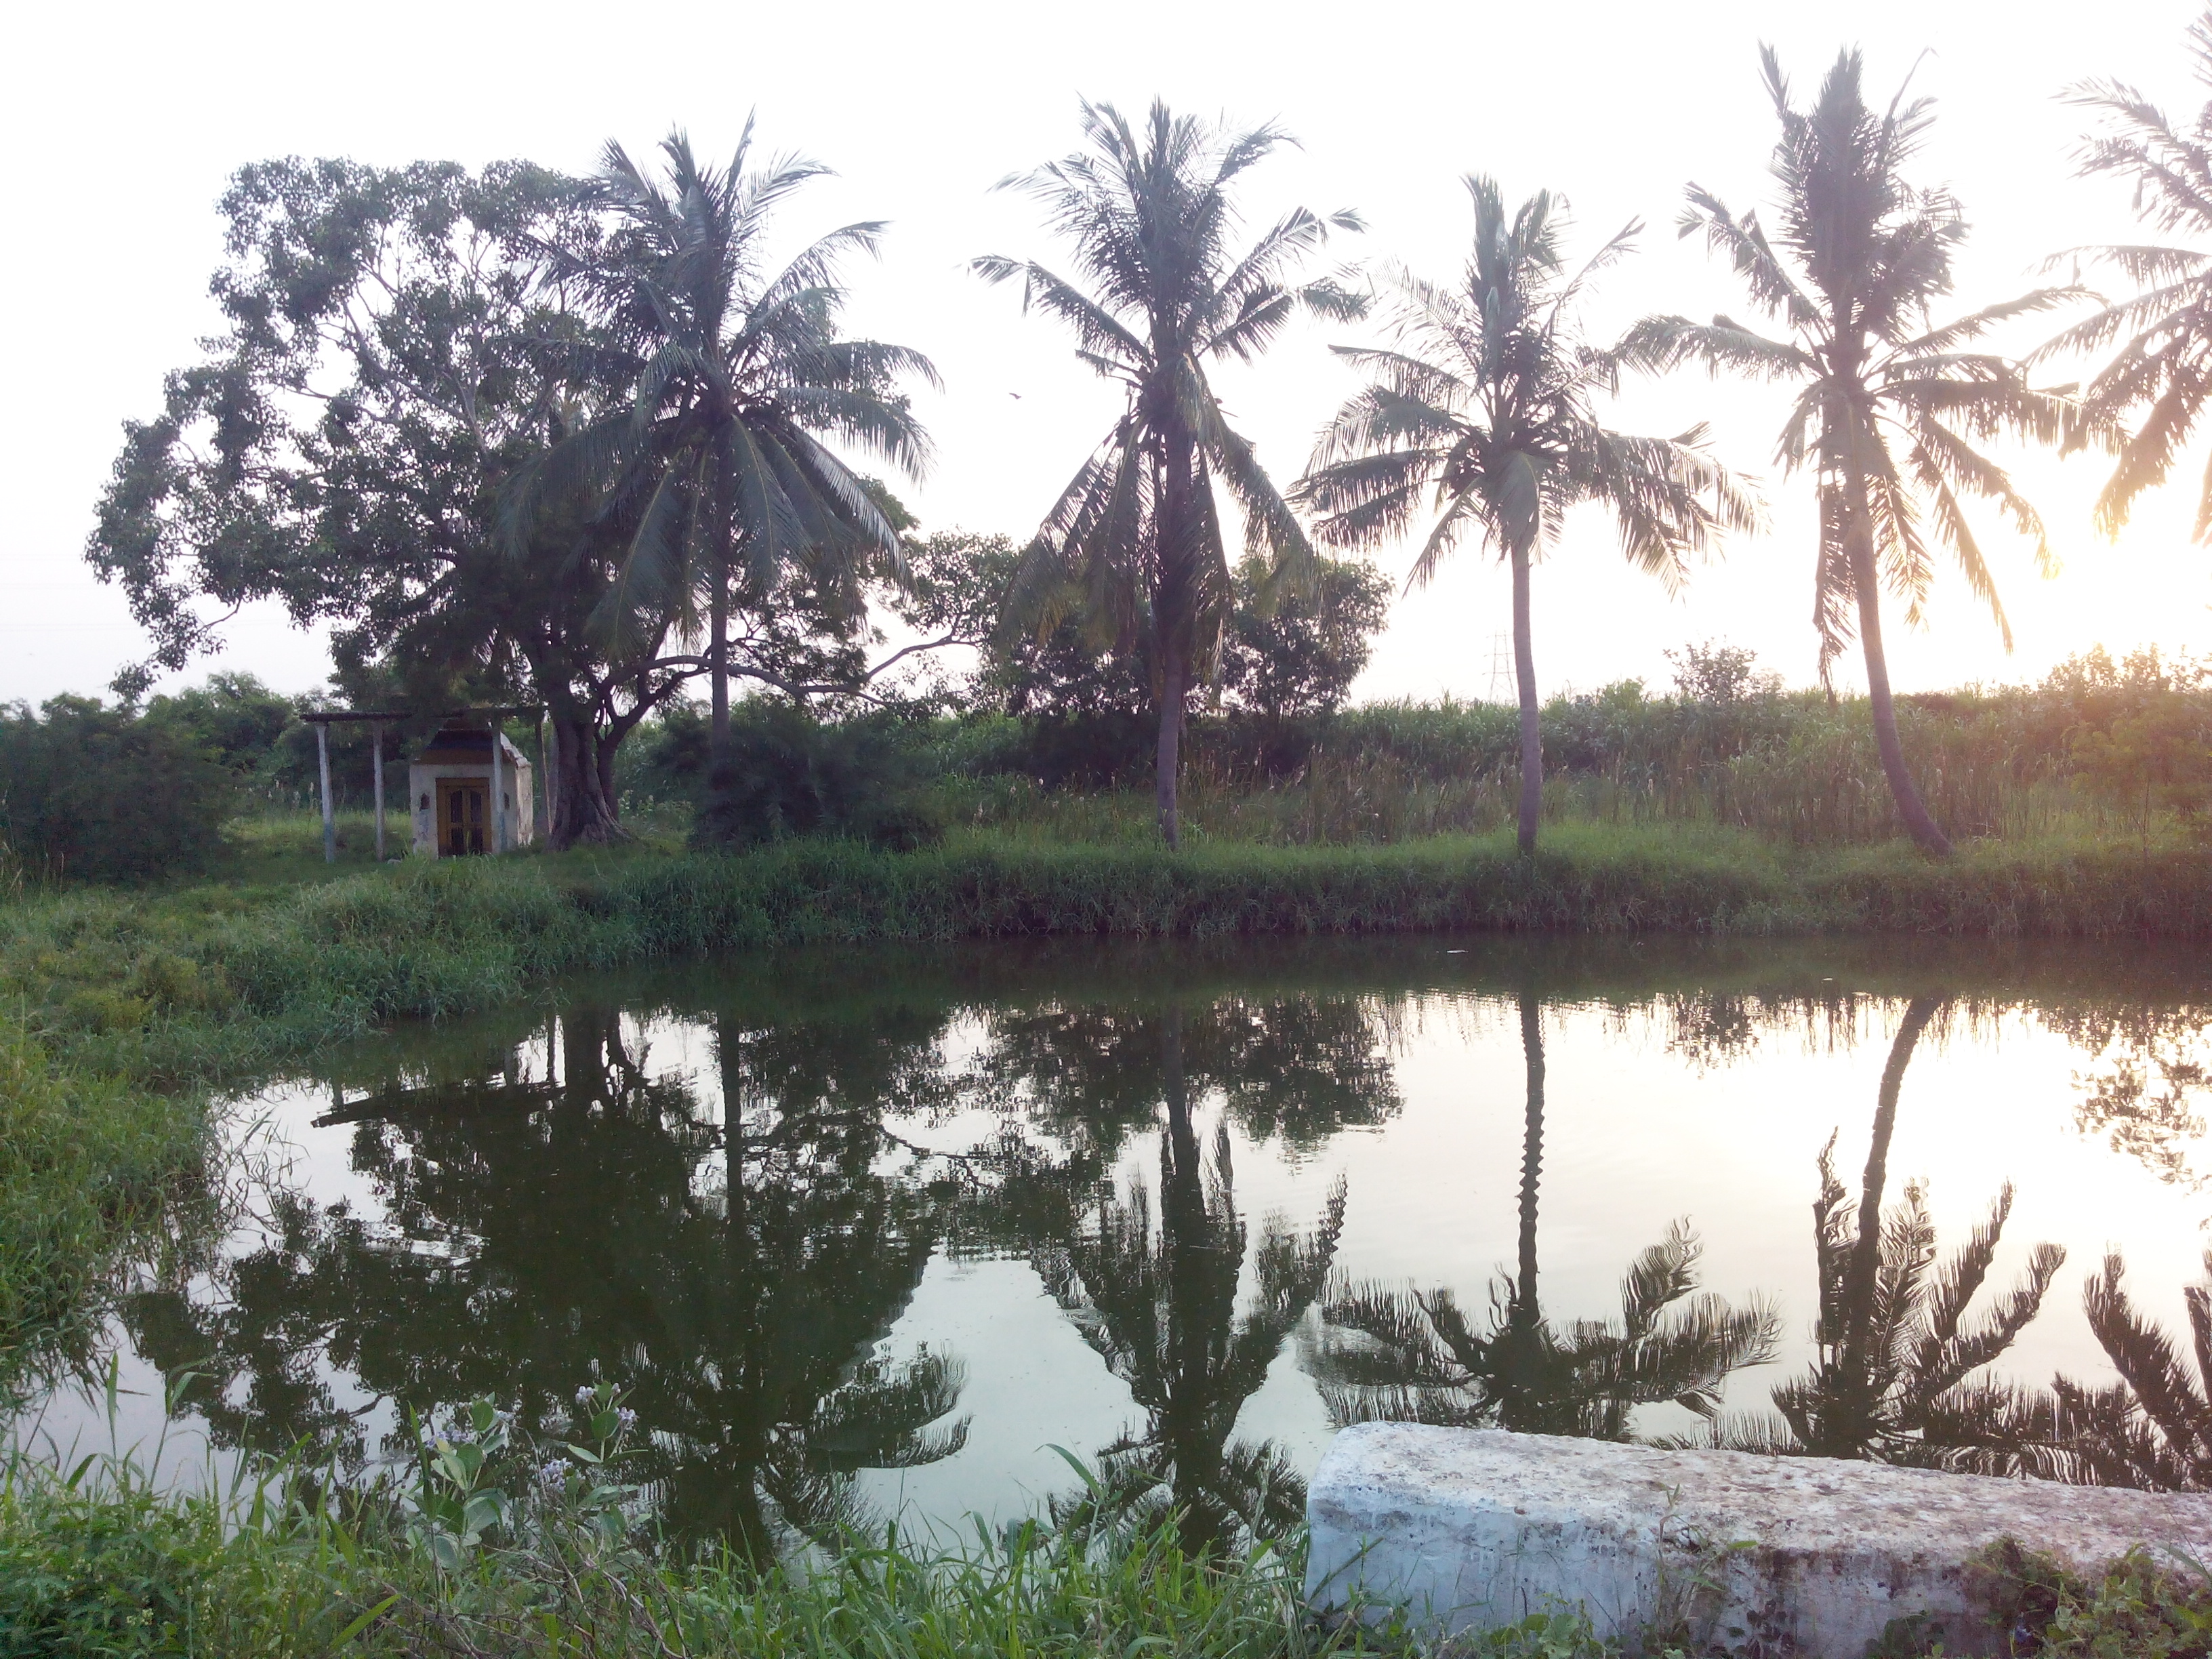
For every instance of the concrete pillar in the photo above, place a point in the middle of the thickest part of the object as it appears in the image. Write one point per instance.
(323, 768)
(376, 738)
(498, 795)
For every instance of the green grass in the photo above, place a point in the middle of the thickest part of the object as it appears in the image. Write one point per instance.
(211, 981)
(107, 1564)
(88, 1165)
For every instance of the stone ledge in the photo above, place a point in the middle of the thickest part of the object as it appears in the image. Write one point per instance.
(1475, 1529)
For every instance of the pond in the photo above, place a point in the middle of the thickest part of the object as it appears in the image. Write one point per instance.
(903, 1232)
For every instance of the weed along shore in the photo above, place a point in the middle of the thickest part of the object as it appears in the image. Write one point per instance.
(190, 982)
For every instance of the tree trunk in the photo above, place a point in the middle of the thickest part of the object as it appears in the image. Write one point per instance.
(1174, 675)
(718, 653)
(1919, 823)
(1524, 677)
(584, 810)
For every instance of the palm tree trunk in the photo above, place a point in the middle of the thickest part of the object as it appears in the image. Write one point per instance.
(718, 653)
(1524, 676)
(1919, 823)
(1175, 677)
(715, 824)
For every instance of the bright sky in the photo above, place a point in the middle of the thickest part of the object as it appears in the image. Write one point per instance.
(128, 119)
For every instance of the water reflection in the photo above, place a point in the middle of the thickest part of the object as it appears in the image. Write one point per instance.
(748, 1201)
(1159, 1302)
(731, 1272)
(1415, 1356)
(1899, 1345)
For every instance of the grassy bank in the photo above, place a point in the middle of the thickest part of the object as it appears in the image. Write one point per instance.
(107, 1566)
(201, 983)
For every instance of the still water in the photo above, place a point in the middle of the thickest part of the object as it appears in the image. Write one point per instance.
(898, 1232)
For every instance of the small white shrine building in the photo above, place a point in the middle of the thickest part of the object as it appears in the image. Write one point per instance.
(468, 797)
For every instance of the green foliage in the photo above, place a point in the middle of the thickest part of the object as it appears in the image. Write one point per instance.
(106, 794)
(787, 774)
(2158, 760)
(85, 1161)
(102, 1565)
(232, 716)
(2137, 1608)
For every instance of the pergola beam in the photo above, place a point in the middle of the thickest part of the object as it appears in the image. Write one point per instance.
(335, 716)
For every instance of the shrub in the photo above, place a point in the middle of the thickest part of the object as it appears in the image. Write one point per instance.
(789, 774)
(106, 794)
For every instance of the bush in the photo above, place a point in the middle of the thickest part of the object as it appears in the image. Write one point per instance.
(106, 794)
(789, 774)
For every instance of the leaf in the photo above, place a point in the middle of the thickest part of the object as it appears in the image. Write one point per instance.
(365, 1620)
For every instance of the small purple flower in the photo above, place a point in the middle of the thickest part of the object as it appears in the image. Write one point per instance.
(553, 1469)
(626, 1417)
(583, 1395)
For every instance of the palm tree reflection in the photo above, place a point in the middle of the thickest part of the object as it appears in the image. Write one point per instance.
(1899, 1375)
(1415, 1356)
(1159, 1302)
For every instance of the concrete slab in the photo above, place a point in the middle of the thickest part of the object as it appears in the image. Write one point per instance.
(1764, 1556)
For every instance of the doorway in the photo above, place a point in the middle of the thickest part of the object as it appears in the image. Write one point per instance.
(461, 818)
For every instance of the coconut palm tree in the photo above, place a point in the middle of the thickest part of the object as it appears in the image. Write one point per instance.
(1134, 543)
(2164, 365)
(716, 463)
(1488, 407)
(1398, 1355)
(1891, 406)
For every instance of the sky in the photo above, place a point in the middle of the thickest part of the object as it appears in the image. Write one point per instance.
(128, 120)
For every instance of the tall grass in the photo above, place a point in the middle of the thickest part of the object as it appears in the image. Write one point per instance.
(99, 1560)
(87, 1164)
(1795, 768)
(199, 985)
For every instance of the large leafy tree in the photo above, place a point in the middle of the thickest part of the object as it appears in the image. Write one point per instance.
(389, 356)
(1892, 408)
(1487, 409)
(1134, 545)
(2162, 370)
(735, 373)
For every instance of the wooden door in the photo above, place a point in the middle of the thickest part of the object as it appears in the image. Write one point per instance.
(463, 823)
